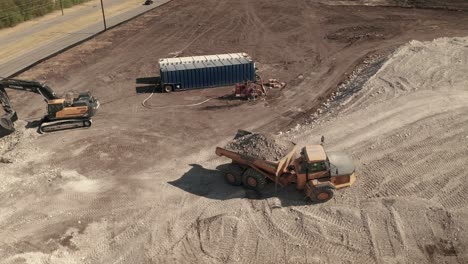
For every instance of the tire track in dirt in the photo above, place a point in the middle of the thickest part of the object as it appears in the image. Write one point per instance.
(302, 229)
(384, 233)
(412, 159)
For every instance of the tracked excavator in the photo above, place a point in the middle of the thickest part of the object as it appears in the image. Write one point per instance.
(62, 113)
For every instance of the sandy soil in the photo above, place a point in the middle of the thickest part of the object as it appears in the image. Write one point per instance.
(141, 185)
(407, 128)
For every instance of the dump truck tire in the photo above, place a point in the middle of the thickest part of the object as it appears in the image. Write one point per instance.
(233, 174)
(322, 193)
(253, 180)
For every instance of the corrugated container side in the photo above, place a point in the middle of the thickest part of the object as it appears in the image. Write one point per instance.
(207, 71)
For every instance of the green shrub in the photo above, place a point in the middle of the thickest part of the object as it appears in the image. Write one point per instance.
(13, 12)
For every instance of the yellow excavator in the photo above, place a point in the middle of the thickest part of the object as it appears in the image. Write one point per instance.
(62, 113)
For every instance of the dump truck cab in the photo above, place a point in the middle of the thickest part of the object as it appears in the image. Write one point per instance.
(311, 164)
(314, 163)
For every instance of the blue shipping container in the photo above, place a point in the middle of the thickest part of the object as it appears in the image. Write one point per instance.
(206, 71)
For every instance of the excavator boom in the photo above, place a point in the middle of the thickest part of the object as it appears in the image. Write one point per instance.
(29, 86)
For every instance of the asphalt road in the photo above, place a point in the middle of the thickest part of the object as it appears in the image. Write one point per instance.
(17, 60)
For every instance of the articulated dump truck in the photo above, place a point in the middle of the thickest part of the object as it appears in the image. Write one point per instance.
(313, 170)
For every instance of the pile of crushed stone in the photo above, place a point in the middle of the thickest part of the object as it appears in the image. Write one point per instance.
(263, 146)
(14, 146)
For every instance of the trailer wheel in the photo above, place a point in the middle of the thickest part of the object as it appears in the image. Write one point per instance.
(168, 88)
(253, 180)
(322, 193)
(232, 174)
(87, 123)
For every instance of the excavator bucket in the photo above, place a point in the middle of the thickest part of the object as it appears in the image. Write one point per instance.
(6, 126)
(7, 120)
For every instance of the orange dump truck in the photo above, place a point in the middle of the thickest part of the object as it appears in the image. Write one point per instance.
(313, 170)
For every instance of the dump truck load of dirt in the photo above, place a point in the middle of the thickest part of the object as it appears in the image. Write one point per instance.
(262, 146)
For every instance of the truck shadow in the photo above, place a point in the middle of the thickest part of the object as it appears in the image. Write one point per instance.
(211, 184)
(148, 84)
(148, 80)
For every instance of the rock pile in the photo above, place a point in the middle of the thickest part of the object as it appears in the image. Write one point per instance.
(262, 146)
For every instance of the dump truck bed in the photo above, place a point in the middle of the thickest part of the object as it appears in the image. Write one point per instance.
(270, 169)
(261, 146)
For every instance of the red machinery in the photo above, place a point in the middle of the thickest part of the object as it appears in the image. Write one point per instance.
(252, 90)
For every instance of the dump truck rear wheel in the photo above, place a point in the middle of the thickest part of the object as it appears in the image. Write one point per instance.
(233, 174)
(252, 179)
(322, 193)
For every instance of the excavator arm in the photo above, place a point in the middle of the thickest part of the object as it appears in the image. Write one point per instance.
(29, 86)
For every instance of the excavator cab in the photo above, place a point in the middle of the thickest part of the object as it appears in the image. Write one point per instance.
(53, 107)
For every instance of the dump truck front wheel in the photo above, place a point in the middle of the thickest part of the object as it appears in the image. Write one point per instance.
(322, 192)
(233, 174)
(252, 179)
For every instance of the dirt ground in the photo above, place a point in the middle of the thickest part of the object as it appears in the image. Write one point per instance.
(141, 185)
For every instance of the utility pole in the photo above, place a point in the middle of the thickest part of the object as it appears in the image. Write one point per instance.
(61, 6)
(103, 16)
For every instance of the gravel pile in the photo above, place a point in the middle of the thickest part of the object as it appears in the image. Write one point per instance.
(267, 147)
(16, 145)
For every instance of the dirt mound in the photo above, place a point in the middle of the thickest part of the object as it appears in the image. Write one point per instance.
(15, 145)
(263, 146)
(407, 135)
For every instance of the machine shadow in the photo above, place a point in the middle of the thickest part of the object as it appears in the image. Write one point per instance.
(211, 184)
(148, 80)
(148, 85)
(147, 89)
(34, 123)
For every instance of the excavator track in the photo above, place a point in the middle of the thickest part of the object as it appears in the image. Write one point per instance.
(48, 127)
